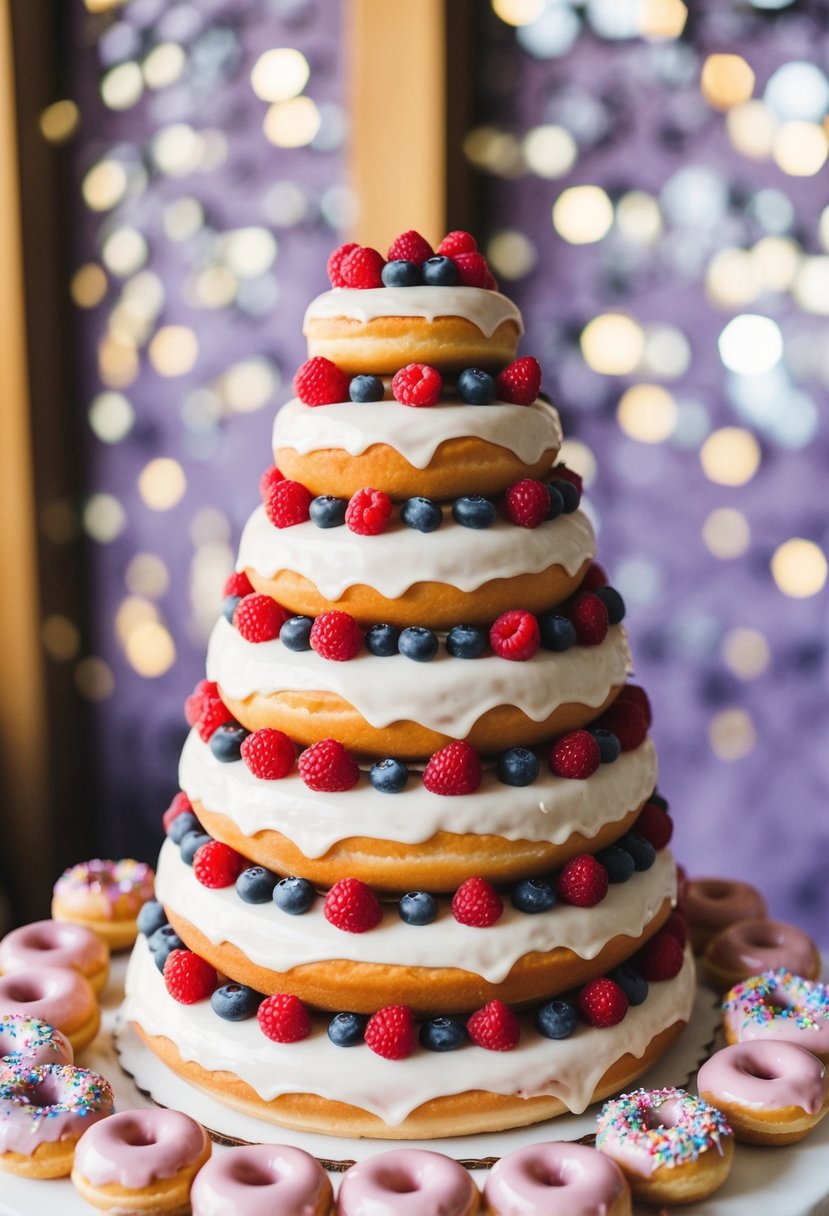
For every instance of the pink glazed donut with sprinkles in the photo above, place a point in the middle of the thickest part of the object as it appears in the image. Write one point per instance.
(779, 1005)
(47, 943)
(105, 896)
(44, 1111)
(556, 1179)
(715, 903)
(57, 995)
(29, 1042)
(407, 1182)
(672, 1147)
(753, 946)
(262, 1180)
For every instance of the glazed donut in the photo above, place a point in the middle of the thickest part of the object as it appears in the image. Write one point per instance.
(672, 1147)
(407, 1182)
(30, 1042)
(57, 995)
(105, 896)
(770, 1092)
(261, 1180)
(715, 903)
(556, 1179)
(48, 943)
(43, 1113)
(779, 1005)
(751, 946)
(141, 1161)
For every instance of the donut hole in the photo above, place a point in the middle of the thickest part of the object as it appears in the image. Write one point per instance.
(252, 1173)
(759, 1072)
(717, 889)
(762, 937)
(136, 1136)
(657, 1118)
(23, 989)
(398, 1181)
(46, 1092)
(554, 1174)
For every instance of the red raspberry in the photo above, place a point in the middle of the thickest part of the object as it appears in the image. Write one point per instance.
(268, 753)
(390, 1032)
(677, 926)
(575, 755)
(632, 694)
(477, 903)
(352, 906)
(473, 270)
(327, 767)
(368, 512)
(336, 635)
(217, 865)
(320, 382)
(180, 805)
(594, 578)
(515, 635)
(520, 383)
(589, 615)
(627, 722)
(237, 584)
(495, 1027)
(335, 263)
(270, 478)
(661, 958)
(205, 709)
(193, 704)
(411, 247)
(602, 1002)
(417, 384)
(655, 825)
(287, 504)
(457, 242)
(527, 503)
(560, 472)
(454, 769)
(283, 1018)
(188, 977)
(583, 882)
(259, 618)
(362, 267)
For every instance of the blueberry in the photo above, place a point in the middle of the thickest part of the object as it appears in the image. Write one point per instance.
(326, 511)
(569, 494)
(422, 514)
(389, 776)
(418, 908)
(634, 985)
(556, 503)
(400, 273)
(466, 641)
(418, 644)
(191, 843)
(556, 1019)
(295, 634)
(235, 1002)
(255, 885)
(641, 850)
(382, 640)
(347, 1029)
(166, 945)
(151, 917)
(366, 388)
(162, 934)
(610, 748)
(181, 825)
(659, 801)
(557, 633)
(476, 387)
(533, 895)
(613, 602)
(442, 1034)
(439, 272)
(474, 511)
(226, 742)
(229, 606)
(618, 863)
(294, 895)
(517, 766)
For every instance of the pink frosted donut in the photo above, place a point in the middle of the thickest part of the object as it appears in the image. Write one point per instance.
(556, 1179)
(57, 995)
(29, 1042)
(106, 896)
(48, 943)
(751, 946)
(407, 1182)
(770, 1092)
(43, 1113)
(262, 1180)
(715, 903)
(779, 1005)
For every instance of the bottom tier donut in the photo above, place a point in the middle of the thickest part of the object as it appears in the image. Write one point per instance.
(316, 1086)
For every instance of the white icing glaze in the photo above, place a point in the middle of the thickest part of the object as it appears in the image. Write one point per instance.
(277, 941)
(392, 1089)
(447, 694)
(526, 430)
(550, 809)
(334, 559)
(485, 309)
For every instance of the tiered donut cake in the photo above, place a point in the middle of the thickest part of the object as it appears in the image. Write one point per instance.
(416, 882)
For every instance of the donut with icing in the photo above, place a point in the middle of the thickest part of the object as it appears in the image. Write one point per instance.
(60, 996)
(44, 1111)
(782, 1006)
(407, 1182)
(49, 943)
(749, 947)
(105, 896)
(29, 1042)
(556, 1179)
(770, 1092)
(715, 903)
(140, 1161)
(262, 1180)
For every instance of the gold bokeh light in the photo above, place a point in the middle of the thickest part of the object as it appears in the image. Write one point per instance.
(173, 350)
(746, 653)
(162, 483)
(293, 123)
(726, 81)
(88, 285)
(800, 148)
(612, 344)
(726, 533)
(731, 734)
(647, 413)
(730, 456)
(582, 215)
(799, 568)
(280, 74)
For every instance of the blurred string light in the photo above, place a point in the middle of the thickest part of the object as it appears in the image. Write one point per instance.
(726, 80)
(59, 121)
(647, 413)
(88, 285)
(799, 568)
(162, 483)
(549, 150)
(746, 653)
(732, 734)
(750, 344)
(94, 679)
(730, 456)
(293, 123)
(61, 638)
(612, 344)
(726, 533)
(280, 74)
(147, 575)
(111, 417)
(582, 214)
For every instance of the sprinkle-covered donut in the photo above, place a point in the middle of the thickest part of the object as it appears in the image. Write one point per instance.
(715, 903)
(261, 1180)
(779, 1005)
(29, 1042)
(556, 1179)
(48, 943)
(106, 896)
(57, 995)
(43, 1113)
(751, 946)
(672, 1147)
(407, 1182)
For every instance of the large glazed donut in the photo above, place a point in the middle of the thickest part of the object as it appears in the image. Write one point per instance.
(48, 943)
(751, 946)
(57, 995)
(407, 1182)
(43, 1113)
(556, 1179)
(262, 1180)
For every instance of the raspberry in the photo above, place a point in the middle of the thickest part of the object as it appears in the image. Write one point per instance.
(320, 382)
(515, 635)
(179, 806)
(327, 767)
(677, 926)
(217, 865)
(368, 512)
(270, 478)
(632, 694)
(495, 1027)
(188, 977)
(527, 503)
(268, 753)
(336, 635)
(283, 1018)
(520, 383)
(661, 958)
(583, 882)
(287, 504)
(410, 247)
(259, 618)
(457, 242)
(473, 270)
(594, 578)
(589, 616)
(454, 769)
(560, 472)
(193, 704)
(627, 722)
(362, 267)
(205, 709)
(237, 584)
(417, 384)
(602, 1002)
(575, 755)
(352, 906)
(477, 903)
(335, 263)
(654, 825)
(390, 1032)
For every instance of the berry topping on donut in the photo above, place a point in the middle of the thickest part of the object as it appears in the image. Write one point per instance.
(515, 635)
(632, 694)
(269, 754)
(368, 512)
(352, 906)
(336, 635)
(179, 806)
(205, 710)
(327, 767)
(575, 756)
(583, 882)
(294, 895)
(335, 262)
(362, 267)
(390, 1032)
(400, 273)
(595, 576)
(655, 825)
(476, 387)
(661, 958)
(677, 925)
(527, 503)
(454, 769)
(520, 383)
(366, 388)
(494, 1027)
(259, 618)
(217, 865)
(288, 504)
(410, 247)
(590, 618)
(562, 473)
(440, 272)
(417, 384)
(188, 977)
(320, 382)
(627, 722)
(613, 602)
(283, 1018)
(602, 1002)
(473, 270)
(457, 242)
(237, 584)
(226, 742)
(270, 478)
(477, 903)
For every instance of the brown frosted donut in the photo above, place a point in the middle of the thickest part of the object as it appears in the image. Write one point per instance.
(715, 903)
(384, 344)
